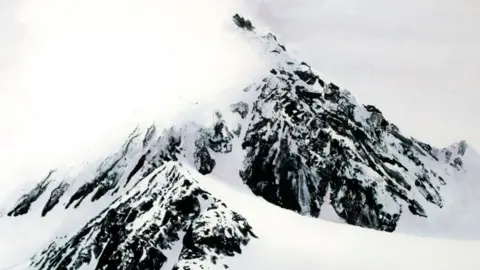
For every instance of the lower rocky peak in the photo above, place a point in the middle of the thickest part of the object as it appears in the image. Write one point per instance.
(243, 23)
(462, 148)
(453, 155)
(165, 219)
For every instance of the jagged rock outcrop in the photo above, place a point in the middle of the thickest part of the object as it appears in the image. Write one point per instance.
(243, 23)
(452, 155)
(55, 196)
(138, 230)
(109, 173)
(24, 203)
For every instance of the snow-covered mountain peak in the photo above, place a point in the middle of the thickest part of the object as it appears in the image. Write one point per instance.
(292, 138)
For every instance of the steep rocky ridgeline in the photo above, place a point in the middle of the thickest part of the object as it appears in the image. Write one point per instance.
(305, 143)
(164, 213)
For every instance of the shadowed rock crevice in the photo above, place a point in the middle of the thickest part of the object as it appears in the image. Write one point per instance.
(55, 196)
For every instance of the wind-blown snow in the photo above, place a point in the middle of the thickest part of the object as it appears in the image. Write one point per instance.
(86, 72)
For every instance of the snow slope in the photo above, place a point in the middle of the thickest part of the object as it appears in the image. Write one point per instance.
(254, 179)
(289, 241)
(459, 215)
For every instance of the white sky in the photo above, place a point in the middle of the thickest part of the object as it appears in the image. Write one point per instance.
(73, 72)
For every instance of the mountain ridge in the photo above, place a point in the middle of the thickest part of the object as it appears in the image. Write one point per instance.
(303, 142)
(218, 138)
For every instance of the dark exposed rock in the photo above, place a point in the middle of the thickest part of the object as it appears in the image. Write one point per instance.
(137, 168)
(241, 108)
(108, 176)
(219, 137)
(204, 163)
(24, 203)
(462, 148)
(55, 196)
(307, 77)
(135, 232)
(243, 23)
(314, 141)
(457, 163)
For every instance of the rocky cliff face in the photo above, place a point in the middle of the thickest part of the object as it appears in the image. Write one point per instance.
(165, 218)
(305, 143)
